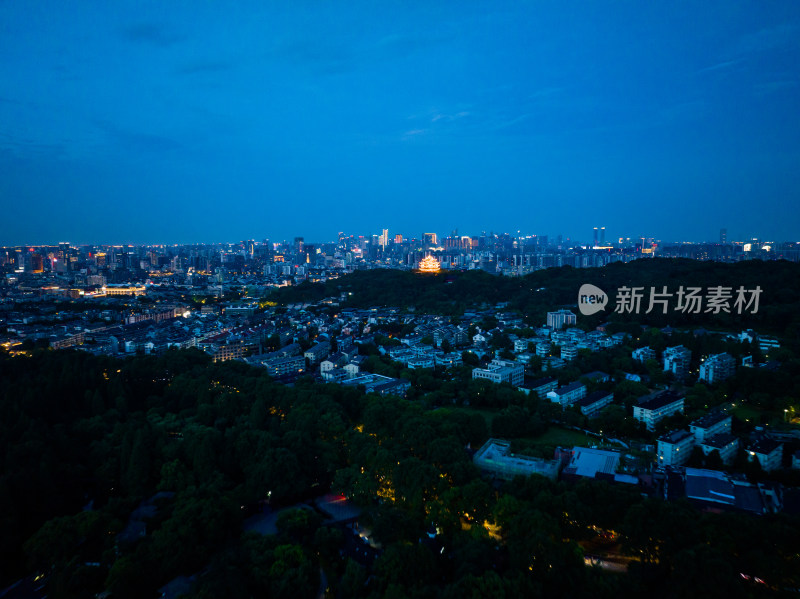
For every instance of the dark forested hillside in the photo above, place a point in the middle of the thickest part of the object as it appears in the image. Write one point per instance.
(546, 290)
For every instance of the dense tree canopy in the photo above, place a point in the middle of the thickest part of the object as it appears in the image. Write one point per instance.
(122, 474)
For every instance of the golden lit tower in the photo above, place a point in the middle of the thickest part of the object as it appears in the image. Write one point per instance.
(429, 264)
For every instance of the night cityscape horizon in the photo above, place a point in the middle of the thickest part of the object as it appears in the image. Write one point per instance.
(575, 240)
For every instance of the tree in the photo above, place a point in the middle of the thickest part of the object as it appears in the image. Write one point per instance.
(299, 525)
(697, 458)
(470, 359)
(714, 461)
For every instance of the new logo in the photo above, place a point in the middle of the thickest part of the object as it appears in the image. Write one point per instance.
(591, 299)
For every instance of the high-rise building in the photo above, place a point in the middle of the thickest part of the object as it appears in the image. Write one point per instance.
(559, 319)
(717, 368)
(398, 239)
(602, 235)
(37, 263)
(676, 360)
(595, 238)
(430, 239)
(723, 236)
(384, 239)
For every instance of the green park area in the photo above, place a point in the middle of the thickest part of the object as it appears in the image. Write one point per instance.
(750, 413)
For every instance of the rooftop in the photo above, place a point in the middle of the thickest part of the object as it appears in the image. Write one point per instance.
(569, 388)
(594, 398)
(664, 398)
(712, 486)
(675, 436)
(711, 419)
(541, 382)
(719, 441)
(590, 462)
(765, 445)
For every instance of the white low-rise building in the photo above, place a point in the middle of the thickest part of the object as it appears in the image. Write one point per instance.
(655, 408)
(675, 448)
(714, 423)
(568, 394)
(501, 371)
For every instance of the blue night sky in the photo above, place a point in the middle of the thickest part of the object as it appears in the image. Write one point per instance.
(200, 121)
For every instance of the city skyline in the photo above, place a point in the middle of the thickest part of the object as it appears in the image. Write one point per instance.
(589, 238)
(154, 123)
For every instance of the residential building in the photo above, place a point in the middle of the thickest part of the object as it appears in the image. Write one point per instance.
(710, 425)
(525, 358)
(560, 319)
(716, 368)
(767, 344)
(568, 394)
(334, 375)
(552, 363)
(448, 360)
(495, 458)
(676, 361)
(521, 345)
(541, 387)
(674, 448)
(344, 343)
(479, 339)
(282, 367)
(421, 362)
(501, 371)
(653, 408)
(317, 352)
(768, 452)
(333, 361)
(594, 402)
(228, 351)
(454, 335)
(569, 352)
(643, 354)
(596, 376)
(725, 443)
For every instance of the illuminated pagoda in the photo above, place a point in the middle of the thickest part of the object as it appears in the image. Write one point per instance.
(429, 264)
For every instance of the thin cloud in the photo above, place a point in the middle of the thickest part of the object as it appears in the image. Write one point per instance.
(511, 122)
(413, 133)
(727, 64)
(150, 33)
(449, 117)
